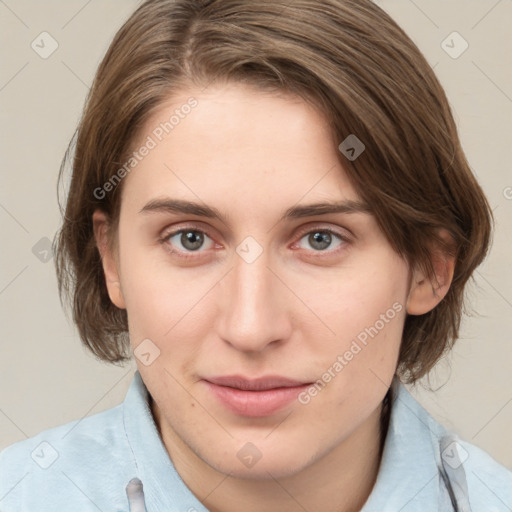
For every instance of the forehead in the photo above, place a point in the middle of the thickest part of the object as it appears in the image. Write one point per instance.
(238, 144)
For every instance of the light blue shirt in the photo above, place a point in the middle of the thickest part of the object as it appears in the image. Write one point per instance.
(94, 463)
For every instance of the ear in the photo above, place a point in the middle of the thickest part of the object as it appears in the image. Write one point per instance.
(426, 294)
(109, 259)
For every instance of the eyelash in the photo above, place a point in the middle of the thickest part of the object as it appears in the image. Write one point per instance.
(164, 239)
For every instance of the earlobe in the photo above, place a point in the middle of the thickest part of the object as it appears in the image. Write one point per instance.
(425, 294)
(108, 258)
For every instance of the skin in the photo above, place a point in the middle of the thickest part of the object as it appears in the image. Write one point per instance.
(290, 312)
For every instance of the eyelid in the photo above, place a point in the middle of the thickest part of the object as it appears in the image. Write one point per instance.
(322, 227)
(171, 231)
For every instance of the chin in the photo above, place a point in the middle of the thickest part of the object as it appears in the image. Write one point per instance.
(264, 465)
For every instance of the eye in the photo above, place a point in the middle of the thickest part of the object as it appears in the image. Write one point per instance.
(187, 240)
(322, 240)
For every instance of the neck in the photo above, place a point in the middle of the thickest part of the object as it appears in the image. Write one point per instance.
(340, 481)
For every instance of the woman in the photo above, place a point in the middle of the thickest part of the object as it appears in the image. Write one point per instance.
(271, 207)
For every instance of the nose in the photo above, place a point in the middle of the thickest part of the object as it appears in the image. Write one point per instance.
(254, 308)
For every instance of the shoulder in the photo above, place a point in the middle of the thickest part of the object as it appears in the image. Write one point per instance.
(489, 482)
(473, 474)
(476, 480)
(86, 436)
(49, 467)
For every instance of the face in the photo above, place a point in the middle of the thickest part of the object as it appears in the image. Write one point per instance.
(242, 303)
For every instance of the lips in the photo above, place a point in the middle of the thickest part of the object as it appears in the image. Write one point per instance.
(261, 384)
(255, 397)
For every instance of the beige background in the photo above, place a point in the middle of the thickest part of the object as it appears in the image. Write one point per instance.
(47, 378)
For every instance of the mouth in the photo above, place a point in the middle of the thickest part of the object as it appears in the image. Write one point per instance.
(255, 398)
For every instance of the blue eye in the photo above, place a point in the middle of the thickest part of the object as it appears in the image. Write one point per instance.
(189, 240)
(186, 241)
(322, 239)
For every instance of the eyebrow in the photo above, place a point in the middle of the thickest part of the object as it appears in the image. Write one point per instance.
(168, 205)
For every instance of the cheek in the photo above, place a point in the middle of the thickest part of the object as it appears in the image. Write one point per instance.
(164, 303)
(150, 302)
(362, 310)
(356, 295)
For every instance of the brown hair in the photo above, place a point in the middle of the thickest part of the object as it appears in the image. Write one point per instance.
(349, 59)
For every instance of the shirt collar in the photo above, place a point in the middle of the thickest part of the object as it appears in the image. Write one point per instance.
(408, 477)
(163, 487)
